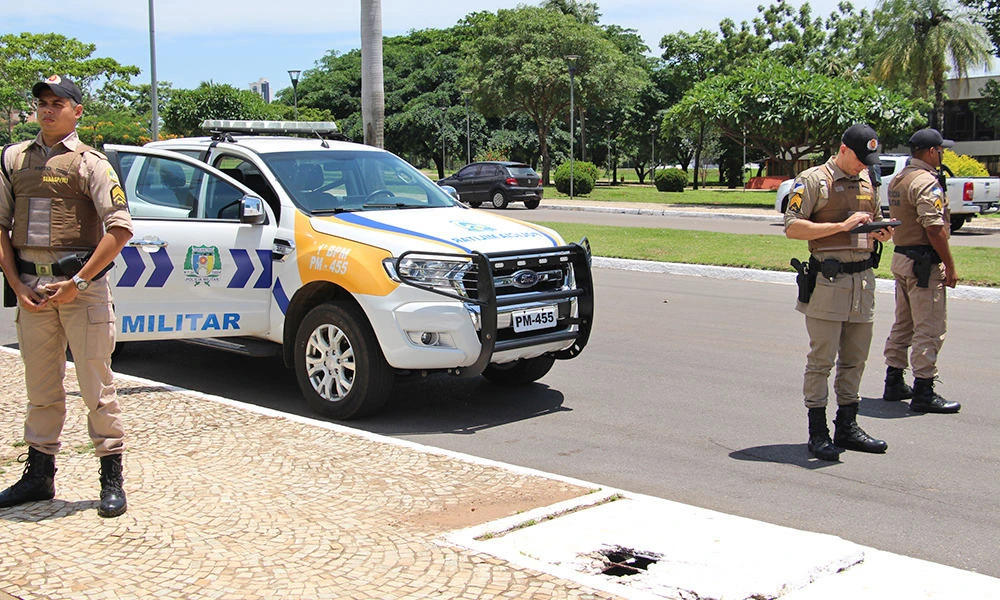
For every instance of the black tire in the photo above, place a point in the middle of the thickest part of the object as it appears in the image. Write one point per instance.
(475, 203)
(520, 371)
(498, 199)
(957, 221)
(339, 364)
(532, 204)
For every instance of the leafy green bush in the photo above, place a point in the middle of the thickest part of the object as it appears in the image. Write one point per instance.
(670, 180)
(962, 165)
(584, 176)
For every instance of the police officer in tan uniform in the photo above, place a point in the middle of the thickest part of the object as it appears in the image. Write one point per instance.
(826, 203)
(63, 219)
(922, 266)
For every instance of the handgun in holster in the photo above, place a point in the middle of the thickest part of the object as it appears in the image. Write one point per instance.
(9, 297)
(923, 262)
(805, 279)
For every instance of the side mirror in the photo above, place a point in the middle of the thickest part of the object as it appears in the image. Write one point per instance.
(451, 191)
(252, 210)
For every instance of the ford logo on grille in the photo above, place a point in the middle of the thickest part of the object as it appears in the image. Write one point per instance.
(525, 278)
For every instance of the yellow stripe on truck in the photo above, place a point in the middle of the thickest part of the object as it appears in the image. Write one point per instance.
(355, 267)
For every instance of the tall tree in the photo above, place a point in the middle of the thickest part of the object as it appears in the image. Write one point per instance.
(187, 109)
(515, 62)
(26, 58)
(372, 86)
(787, 113)
(920, 41)
(987, 14)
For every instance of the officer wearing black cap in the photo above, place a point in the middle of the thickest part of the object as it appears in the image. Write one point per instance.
(63, 219)
(826, 203)
(923, 267)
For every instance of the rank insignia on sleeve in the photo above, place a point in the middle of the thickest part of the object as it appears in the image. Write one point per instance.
(118, 197)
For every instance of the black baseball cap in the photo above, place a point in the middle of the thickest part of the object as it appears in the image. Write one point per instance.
(929, 138)
(60, 86)
(863, 140)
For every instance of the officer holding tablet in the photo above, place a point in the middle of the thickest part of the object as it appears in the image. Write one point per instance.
(829, 206)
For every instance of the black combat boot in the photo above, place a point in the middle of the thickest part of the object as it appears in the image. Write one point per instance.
(37, 482)
(895, 388)
(849, 435)
(112, 494)
(820, 445)
(926, 401)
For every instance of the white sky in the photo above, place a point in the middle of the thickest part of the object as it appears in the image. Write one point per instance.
(239, 41)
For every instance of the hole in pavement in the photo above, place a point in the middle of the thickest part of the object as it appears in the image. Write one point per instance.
(625, 561)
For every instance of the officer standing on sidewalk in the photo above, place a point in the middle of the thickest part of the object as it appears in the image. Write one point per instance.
(63, 220)
(826, 203)
(922, 266)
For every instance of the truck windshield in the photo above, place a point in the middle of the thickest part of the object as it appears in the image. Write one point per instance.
(331, 181)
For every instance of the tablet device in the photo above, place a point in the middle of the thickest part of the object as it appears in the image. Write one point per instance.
(872, 226)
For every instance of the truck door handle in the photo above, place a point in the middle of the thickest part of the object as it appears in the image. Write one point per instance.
(148, 244)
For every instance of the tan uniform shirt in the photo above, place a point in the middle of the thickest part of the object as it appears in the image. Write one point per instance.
(917, 199)
(103, 188)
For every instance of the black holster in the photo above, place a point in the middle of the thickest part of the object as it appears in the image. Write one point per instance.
(9, 297)
(805, 279)
(924, 259)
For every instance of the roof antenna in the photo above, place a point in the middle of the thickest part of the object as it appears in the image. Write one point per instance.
(324, 144)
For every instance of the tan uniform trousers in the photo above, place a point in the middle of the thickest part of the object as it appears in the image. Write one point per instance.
(920, 323)
(843, 342)
(839, 321)
(87, 325)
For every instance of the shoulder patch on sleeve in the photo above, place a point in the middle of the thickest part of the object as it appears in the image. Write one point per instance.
(118, 197)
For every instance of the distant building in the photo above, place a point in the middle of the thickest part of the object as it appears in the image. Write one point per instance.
(971, 136)
(262, 87)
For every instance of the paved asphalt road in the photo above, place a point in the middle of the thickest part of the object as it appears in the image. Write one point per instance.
(690, 390)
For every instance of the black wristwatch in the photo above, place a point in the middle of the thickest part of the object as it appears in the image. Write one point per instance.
(81, 283)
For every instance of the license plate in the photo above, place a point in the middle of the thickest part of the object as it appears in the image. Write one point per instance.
(535, 318)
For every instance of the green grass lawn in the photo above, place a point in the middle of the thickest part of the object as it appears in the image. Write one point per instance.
(976, 265)
(649, 194)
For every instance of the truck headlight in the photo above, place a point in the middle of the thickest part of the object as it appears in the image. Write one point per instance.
(430, 272)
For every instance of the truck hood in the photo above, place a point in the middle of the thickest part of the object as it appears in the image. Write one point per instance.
(452, 230)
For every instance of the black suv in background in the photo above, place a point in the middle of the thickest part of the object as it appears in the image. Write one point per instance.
(497, 183)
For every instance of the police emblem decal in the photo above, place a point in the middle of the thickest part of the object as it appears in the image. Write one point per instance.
(202, 265)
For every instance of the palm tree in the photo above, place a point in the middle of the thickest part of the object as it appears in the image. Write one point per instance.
(372, 86)
(922, 40)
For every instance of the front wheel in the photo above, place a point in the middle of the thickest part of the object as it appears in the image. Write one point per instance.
(339, 364)
(524, 370)
(498, 199)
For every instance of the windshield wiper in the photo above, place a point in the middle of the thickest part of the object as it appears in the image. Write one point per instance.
(331, 211)
(392, 205)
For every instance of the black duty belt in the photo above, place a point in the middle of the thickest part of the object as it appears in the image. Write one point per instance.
(831, 267)
(921, 252)
(64, 267)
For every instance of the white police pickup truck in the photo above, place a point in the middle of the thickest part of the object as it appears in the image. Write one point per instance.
(343, 259)
(967, 196)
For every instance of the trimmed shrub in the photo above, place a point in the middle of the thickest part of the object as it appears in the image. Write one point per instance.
(963, 165)
(670, 180)
(584, 176)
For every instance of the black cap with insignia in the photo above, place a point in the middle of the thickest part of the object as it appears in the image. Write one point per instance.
(929, 138)
(60, 86)
(863, 140)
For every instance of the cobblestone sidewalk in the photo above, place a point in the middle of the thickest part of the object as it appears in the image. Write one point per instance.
(225, 502)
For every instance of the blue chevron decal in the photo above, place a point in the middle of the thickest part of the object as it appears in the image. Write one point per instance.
(244, 268)
(162, 268)
(134, 266)
(264, 281)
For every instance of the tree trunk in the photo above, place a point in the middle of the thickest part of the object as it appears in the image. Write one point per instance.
(372, 86)
(543, 149)
(697, 153)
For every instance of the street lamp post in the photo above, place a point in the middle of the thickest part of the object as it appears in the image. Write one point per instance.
(571, 61)
(293, 74)
(468, 136)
